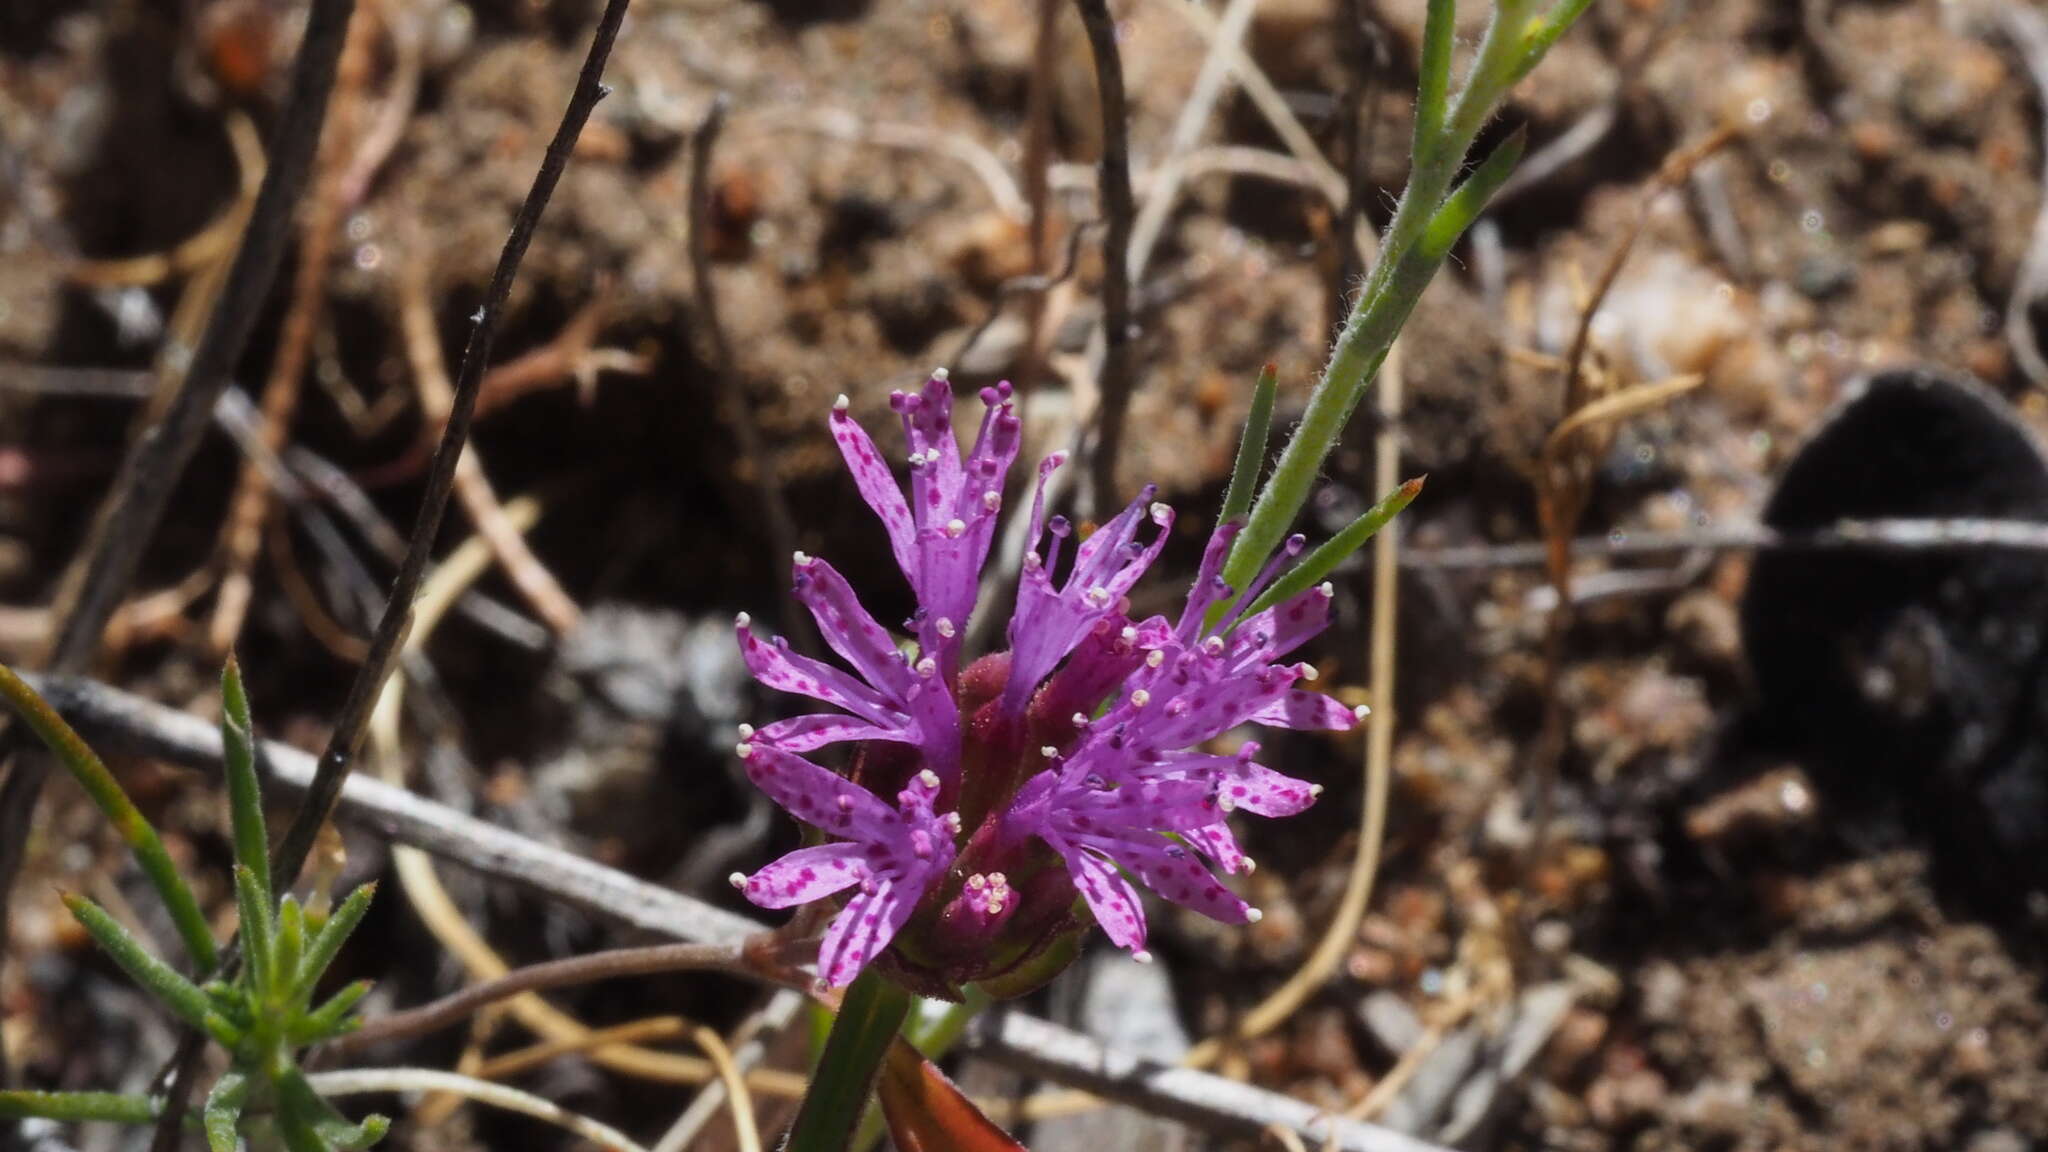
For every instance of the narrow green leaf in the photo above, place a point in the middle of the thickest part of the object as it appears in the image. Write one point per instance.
(844, 1082)
(245, 794)
(1465, 205)
(1537, 42)
(291, 947)
(259, 931)
(297, 1098)
(326, 943)
(224, 1110)
(330, 1019)
(1433, 78)
(78, 1107)
(112, 801)
(1251, 447)
(178, 994)
(1325, 558)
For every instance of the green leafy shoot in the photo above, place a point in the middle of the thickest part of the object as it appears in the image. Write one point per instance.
(1251, 448)
(1332, 552)
(113, 802)
(262, 1013)
(1434, 211)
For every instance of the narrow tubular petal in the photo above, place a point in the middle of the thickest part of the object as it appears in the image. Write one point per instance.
(805, 875)
(1180, 876)
(775, 666)
(878, 487)
(819, 797)
(848, 628)
(1208, 587)
(1110, 897)
(1216, 842)
(861, 931)
(808, 733)
(1302, 710)
(1279, 630)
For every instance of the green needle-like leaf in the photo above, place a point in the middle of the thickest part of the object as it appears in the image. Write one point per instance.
(298, 1099)
(326, 943)
(1546, 33)
(178, 994)
(78, 1107)
(1251, 448)
(245, 795)
(107, 793)
(330, 1019)
(224, 1110)
(1324, 559)
(259, 931)
(1465, 205)
(291, 947)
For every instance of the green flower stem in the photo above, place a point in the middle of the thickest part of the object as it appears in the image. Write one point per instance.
(78, 1107)
(121, 812)
(1426, 223)
(869, 1018)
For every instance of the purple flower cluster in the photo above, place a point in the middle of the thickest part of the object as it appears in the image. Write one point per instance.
(1065, 765)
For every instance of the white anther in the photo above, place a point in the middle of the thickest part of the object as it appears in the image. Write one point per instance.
(991, 499)
(1308, 671)
(1213, 645)
(917, 459)
(1315, 789)
(941, 375)
(1250, 865)
(928, 778)
(1129, 635)
(1155, 658)
(1161, 513)
(737, 879)
(746, 731)
(927, 666)
(976, 882)
(743, 620)
(1140, 698)
(1253, 915)
(956, 528)
(801, 559)
(1080, 719)
(1226, 803)
(1142, 956)
(842, 403)
(1048, 751)
(945, 627)
(1326, 589)
(743, 749)
(1361, 712)
(998, 879)
(951, 820)
(1098, 596)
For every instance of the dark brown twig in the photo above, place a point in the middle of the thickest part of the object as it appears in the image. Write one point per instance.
(1118, 210)
(613, 964)
(350, 725)
(135, 505)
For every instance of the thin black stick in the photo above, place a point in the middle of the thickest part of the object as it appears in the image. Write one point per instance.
(1359, 127)
(1117, 212)
(349, 726)
(729, 394)
(134, 506)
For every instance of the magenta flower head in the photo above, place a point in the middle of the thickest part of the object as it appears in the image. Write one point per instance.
(990, 808)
